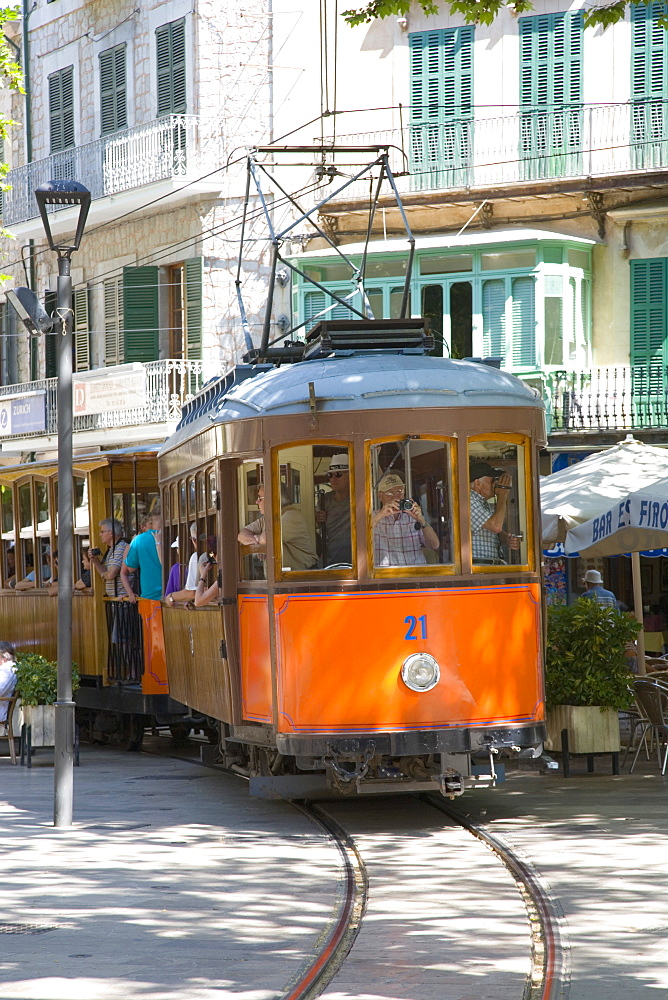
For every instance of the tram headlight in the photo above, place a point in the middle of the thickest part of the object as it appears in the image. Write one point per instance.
(420, 672)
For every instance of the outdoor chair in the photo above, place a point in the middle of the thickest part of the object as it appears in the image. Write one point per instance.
(7, 725)
(652, 699)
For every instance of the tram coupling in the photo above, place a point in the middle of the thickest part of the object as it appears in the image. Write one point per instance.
(450, 782)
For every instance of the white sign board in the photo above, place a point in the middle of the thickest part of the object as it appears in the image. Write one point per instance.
(107, 392)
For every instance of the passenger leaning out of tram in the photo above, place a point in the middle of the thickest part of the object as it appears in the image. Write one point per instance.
(298, 544)
(108, 566)
(144, 554)
(488, 538)
(400, 529)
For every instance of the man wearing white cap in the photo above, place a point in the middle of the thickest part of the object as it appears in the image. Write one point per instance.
(400, 530)
(593, 581)
(334, 513)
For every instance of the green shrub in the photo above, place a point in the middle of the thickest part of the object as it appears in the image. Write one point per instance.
(37, 679)
(585, 662)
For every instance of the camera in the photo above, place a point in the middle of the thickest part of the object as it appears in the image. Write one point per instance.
(406, 504)
(212, 558)
(94, 552)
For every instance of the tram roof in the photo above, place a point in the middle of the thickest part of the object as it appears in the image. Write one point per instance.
(360, 381)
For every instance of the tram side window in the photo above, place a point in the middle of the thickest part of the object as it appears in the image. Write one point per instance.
(8, 537)
(411, 503)
(497, 479)
(251, 518)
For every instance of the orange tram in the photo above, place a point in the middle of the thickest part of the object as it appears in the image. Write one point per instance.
(363, 636)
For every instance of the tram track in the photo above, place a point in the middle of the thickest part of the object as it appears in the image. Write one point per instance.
(549, 975)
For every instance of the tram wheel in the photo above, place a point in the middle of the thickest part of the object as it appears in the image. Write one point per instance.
(180, 731)
(132, 732)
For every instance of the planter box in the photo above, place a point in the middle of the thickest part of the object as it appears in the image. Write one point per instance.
(590, 730)
(42, 719)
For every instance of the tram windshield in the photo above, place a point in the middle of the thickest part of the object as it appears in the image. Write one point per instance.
(498, 498)
(411, 503)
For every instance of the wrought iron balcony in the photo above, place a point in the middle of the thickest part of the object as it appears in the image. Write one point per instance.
(176, 147)
(606, 399)
(574, 142)
(156, 390)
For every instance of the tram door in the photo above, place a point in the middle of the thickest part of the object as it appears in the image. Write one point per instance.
(449, 308)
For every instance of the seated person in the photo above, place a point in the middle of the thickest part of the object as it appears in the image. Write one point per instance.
(334, 513)
(7, 676)
(298, 545)
(399, 536)
(28, 582)
(187, 592)
(207, 588)
(488, 537)
(10, 571)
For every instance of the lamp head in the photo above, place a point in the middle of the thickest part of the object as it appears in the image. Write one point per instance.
(59, 194)
(30, 310)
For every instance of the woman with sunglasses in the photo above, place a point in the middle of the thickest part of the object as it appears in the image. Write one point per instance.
(334, 513)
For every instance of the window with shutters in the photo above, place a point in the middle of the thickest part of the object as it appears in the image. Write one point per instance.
(141, 318)
(551, 94)
(185, 309)
(61, 109)
(441, 115)
(171, 67)
(648, 338)
(113, 321)
(81, 331)
(50, 339)
(649, 84)
(113, 90)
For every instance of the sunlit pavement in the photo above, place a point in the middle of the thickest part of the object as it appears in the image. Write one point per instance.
(173, 883)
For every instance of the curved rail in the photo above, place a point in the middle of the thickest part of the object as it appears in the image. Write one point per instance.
(331, 955)
(549, 978)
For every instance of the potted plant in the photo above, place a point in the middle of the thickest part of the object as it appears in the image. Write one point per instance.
(587, 676)
(37, 687)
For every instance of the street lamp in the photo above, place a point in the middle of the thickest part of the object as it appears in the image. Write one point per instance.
(59, 194)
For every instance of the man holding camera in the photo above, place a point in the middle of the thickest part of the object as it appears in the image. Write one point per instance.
(400, 530)
(487, 533)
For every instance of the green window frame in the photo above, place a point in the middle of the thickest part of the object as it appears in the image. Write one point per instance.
(141, 314)
(171, 67)
(113, 90)
(551, 69)
(61, 109)
(649, 84)
(441, 112)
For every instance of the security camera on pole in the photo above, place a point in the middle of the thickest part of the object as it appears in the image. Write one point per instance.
(59, 195)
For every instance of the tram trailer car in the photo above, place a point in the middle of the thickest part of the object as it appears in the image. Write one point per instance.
(331, 663)
(120, 660)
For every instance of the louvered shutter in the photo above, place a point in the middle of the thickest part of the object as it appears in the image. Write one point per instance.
(81, 331)
(61, 109)
(524, 323)
(140, 314)
(551, 94)
(648, 337)
(193, 300)
(171, 65)
(494, 318)
(316, 302)
(441, 128)
(113, 90)
(649, 84)
(113, 321)
(50, 339)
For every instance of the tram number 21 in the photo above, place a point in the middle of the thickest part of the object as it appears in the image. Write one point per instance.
(412, 623)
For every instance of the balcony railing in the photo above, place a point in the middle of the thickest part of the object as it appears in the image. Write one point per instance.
(603, 399)
(173, 147)
(166, 386)
(568, 143)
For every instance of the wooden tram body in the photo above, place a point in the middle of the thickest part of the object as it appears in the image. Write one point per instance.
(306, 667)
(117, 695)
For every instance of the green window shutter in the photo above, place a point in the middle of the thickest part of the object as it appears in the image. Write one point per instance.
(141, 322)
(81, 330)
(648, 327)
(171, 63)
(494, 318)
(61, 109)
(551, 94)
(524, 323)
(194, 268)
(315, 302)
(441, 87)
(113, 321)
(50, 339)
(649, 84)
(113, 90)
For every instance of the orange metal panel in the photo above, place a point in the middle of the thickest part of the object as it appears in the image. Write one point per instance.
(154, 679)
(340, 658)
(255, 658)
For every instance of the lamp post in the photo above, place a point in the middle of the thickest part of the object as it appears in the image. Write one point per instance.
(60, 194)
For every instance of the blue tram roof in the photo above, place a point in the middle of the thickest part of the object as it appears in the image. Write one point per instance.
(359, 381)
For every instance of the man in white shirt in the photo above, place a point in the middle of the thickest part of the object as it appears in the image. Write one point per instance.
(188, 592)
